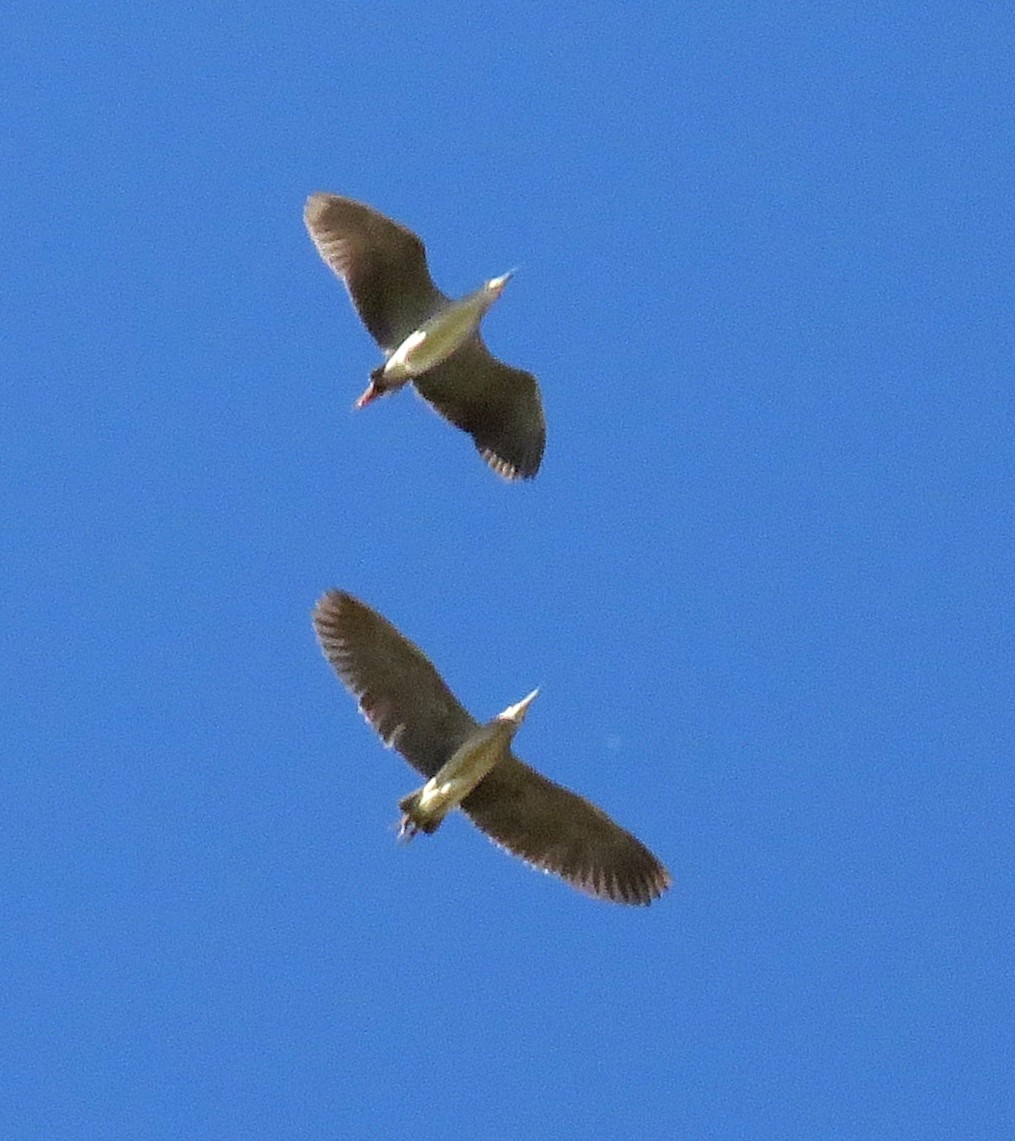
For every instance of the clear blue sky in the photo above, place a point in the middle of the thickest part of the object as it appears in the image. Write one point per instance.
(764, 579)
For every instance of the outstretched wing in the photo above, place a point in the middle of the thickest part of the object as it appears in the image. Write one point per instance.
(404, 698)
(499, 406)
(561, 832)
(399, 691)
(382, 264)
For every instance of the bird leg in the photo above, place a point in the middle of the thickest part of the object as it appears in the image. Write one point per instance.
(415, 819)
(407, 830)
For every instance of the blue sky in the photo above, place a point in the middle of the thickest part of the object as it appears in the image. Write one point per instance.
(763, 580)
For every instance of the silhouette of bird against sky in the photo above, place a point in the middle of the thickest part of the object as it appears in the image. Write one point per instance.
(427, 339)
(471, 766)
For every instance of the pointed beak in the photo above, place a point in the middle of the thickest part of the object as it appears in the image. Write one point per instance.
(496, 284)
(517, 712)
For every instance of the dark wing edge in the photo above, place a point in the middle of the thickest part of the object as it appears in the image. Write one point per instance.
(557, 831)
(498, 405)
(399, 691)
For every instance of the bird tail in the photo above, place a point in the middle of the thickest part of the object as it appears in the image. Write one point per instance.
(414, 819)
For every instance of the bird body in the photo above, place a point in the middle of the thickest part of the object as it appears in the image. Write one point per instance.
(471, 766)
(428, 339)
(435, 340)
(485, 747)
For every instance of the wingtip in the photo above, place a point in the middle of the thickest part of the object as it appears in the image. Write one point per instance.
(513, 473)
(315, 205)
(329, 611)
(311, 212)
(640, 891)
(330, 599)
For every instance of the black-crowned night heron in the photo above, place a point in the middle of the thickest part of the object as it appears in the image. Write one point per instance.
(471, 766)
(427, 338)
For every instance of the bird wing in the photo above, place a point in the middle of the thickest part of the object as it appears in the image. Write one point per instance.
(399, 691)
(382, 264)
(556, 830)
(499, 406)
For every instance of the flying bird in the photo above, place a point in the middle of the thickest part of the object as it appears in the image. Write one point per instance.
(469, 765)
(428, 339)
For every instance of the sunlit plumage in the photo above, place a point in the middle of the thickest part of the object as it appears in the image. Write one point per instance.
(471, 765)
(427, 339)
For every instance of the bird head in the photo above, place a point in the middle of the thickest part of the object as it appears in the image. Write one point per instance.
(516, 713)
(495, 285)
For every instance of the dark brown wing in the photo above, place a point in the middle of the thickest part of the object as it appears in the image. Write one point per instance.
(499, 406)
(382, 264)
(399, 691)
(560, 832)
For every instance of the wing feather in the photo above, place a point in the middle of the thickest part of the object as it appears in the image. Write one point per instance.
(382, 263)
(399, 691)
(499, 406)
(558, 831)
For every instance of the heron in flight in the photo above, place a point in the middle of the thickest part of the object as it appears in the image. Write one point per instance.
(428, 339)
(470, 766)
